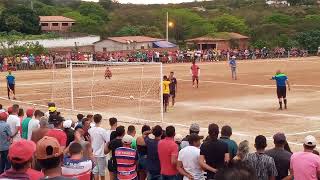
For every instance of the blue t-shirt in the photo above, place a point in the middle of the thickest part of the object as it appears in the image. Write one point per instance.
(10, 79)
(281, 79)
(153, 162)
(233, 63)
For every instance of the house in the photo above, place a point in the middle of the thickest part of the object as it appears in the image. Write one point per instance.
(221, 41)
(130, 43)
(56, 23)
(277, 3)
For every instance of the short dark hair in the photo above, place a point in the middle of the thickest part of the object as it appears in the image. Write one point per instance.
(165, 77)
(260, 142)
(51, 104)
(145, 128)
(15, 108)
(84, 120)
(157, 131)
(80, 117)
(75, 148)
(38, 113)
(239, 171)
(309, 147)
(19, 166)
(89, 116)
(170, 131)
(120, 131)
(213, 130)
(21, 112)
(1, 106)
(97, 118)
(50, 163)
(131, 129)
(113, 121)
(226, 131)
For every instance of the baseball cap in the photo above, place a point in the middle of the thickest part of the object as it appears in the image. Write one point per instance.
(194, 127)
(21, 151)
(127, 139)
(48, 147)
(30, 112)
(67, 123)
(52, 109)
(178, 138)
(279, 137)
(3, 116)
(310, 141)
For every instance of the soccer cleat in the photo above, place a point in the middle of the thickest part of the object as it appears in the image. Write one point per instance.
(285, 107)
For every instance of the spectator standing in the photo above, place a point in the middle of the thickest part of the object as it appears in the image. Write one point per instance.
(194, 129)
(280, 156)
(57, 131)
(113, 122)
(263, 164)
(67, 125)
(1, 109)
(99, 138)
(49, 154)
(34, 123)
(21, 155)
(79, 117)
(242, 152)
(126, 159)
(132, 132)
(86, 127)
(153, 162)
(142, 152)
(188, 159)
(21, 116)
(25, 123)
(213, 153)
(226, 132)
(5, 138)
(86, 146)
(168, 155)
(14, 122)
(39, 133)
(306, 165)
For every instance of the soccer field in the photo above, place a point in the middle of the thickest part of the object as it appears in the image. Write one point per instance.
(249, 105)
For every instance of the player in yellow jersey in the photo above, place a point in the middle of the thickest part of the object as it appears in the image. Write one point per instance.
(166, 92)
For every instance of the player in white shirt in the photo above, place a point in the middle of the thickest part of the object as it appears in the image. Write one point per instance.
(14, 123)
(34, 123)
(188, 159)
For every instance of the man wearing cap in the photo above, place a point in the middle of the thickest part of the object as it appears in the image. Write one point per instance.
(306, 165)
(25, 123)
(34, 123)
(21, 155)
(49, 155)
(188, 159)
(5, 137)
(194, 129)
(281, 157)
(57, 131)
(233, 66)
(126, 159)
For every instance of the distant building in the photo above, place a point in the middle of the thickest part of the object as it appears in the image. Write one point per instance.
(130, 43)
(277, 3)
(56, 23)
(221, 41)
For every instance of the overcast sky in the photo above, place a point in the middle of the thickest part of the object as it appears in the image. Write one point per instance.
(149, 1)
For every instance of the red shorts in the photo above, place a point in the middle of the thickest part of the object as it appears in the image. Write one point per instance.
(195, 77)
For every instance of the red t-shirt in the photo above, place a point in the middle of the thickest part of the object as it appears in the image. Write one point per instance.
(59, 135)
(33, 174)
(167, 148)
(195, 70)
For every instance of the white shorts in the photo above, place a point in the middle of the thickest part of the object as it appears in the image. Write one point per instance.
(100, 166)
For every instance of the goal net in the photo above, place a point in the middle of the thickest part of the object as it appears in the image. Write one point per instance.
(132, 94)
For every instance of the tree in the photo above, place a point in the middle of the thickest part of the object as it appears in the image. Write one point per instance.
(309, 40)
(87, 8)
(106, 4)
(229, 23)
(278, 18)
(151, 31)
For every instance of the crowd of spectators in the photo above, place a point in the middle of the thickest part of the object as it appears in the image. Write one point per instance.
(43, 145)
(45, 61)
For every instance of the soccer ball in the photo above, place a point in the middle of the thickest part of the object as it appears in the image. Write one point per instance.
(131, 97)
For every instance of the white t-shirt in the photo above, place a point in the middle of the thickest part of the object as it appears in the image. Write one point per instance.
(99, 137)
(14, 122)
(76, 167)
(33, 124)
(189, 156)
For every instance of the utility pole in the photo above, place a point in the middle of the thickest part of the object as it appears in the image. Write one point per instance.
(167, 27)
(31, 4)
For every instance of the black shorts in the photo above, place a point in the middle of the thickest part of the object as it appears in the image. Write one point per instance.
(166, 98)
(173, 93)
(11, 86)
(282, 91)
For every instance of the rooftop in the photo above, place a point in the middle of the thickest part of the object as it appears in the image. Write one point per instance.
(130, 39)
(55, 19)
(220, 36)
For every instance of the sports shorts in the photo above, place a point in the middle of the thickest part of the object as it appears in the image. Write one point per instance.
(166, 98)
(100, 167)
(282, 91)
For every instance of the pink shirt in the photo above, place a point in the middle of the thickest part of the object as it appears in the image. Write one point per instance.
(195, 70)
(305, 165)
(59, 135)
(167, 148)
(33, 174)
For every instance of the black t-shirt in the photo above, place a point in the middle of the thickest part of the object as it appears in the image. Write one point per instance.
(70, 135)
(113, 145)
(214, 152)
(281, 158)
(113, 135)
(173, 83)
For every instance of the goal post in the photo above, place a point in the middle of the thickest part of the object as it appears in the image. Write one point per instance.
(132, 94)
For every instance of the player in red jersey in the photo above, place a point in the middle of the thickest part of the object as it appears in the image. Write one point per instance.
(195, 72)
(107, 73)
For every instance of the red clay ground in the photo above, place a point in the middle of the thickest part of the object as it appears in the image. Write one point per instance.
(249, 104)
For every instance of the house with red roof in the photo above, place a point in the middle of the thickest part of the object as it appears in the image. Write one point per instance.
(56, 23)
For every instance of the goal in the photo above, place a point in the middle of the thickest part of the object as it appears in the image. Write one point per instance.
(132, 94)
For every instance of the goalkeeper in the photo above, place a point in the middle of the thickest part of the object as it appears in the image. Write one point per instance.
(107, 73)
(11, 84)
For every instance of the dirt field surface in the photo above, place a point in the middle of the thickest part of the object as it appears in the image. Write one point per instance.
(249, 105)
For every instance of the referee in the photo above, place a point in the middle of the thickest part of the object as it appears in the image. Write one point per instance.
(282, 82)
(11, 80)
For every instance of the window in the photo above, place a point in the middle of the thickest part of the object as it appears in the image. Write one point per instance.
(104, 50)
(142, 47)
(73, 24)
(65, 24)
(55, 24)
(44, 24)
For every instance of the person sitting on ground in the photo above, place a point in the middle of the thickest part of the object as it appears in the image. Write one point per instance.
(49, 154)
(280, 156)
(21, 155)
(306, 165)
(188, 159)
(57, 131)
(226, 132)
(132, 132)
(263, 164)
(242, 152)
(194, 129)
(76, 165)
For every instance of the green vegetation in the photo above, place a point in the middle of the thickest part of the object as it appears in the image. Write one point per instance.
(294, 26)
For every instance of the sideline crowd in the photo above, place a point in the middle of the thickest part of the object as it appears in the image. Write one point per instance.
(43, 145)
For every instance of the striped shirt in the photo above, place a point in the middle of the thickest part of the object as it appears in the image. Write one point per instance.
(126, 163)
